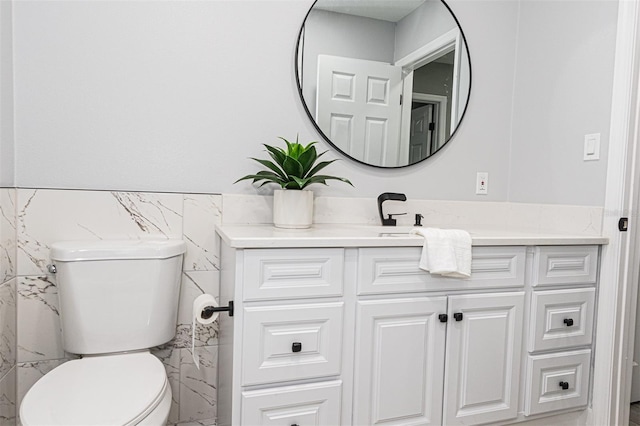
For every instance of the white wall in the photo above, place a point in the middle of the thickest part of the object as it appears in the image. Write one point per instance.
(562, 92)
(6, 97)
(421, 26)
(174, 96)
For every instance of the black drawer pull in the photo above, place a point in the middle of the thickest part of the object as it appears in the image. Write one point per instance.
(457, 316)
(564, 385)
(443, 317)
(296, 347)
(568, 322)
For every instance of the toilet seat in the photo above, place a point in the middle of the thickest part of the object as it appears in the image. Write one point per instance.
(99, 390)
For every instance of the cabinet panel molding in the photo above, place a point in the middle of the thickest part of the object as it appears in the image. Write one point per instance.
(293, 273)
(396, 271)
(555, 265)
(314, 404)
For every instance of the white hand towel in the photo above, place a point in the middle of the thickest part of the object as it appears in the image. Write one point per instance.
(445, 252)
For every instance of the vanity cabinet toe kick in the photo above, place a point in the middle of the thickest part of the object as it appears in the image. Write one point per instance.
(361, 336)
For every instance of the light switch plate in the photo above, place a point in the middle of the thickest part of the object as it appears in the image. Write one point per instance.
(592, 147)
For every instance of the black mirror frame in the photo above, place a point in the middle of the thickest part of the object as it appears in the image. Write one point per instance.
(326, 138)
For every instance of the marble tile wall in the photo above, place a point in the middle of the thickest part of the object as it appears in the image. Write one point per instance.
(8, 324)
(46, 216)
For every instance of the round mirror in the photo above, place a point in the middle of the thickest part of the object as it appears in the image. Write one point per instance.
(386, 82)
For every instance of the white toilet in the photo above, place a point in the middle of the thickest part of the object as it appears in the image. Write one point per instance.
(117, 300)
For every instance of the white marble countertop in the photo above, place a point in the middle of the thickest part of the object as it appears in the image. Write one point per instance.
(268, 236)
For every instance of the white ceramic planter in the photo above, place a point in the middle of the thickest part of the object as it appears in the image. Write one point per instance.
(292, 209)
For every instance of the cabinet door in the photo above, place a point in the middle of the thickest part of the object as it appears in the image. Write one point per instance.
(399, 361)
(484, 345)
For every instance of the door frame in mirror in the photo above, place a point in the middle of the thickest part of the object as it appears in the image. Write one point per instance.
(450, 41)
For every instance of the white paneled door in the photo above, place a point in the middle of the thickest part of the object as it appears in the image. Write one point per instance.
(421, 133)
(358, 107)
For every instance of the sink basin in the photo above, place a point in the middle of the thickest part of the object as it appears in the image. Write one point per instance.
(395, 231)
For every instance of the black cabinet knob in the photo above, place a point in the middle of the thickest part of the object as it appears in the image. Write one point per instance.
(296, 347)
(457, 316)
(564, 385)
(443, 317)
(568, 322)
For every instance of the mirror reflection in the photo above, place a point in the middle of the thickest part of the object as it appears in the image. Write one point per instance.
(385, 81)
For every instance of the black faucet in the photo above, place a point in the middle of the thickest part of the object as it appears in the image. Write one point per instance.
(390, 221)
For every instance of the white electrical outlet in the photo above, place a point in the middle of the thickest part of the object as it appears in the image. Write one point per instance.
(482, 183)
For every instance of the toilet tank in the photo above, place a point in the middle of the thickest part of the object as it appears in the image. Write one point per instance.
(117, 295)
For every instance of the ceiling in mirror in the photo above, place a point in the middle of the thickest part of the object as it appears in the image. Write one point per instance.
(386, 82)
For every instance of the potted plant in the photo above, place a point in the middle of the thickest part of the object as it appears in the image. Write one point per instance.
(294, 169)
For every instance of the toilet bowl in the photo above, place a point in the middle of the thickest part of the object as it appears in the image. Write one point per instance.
(117, 300)
(107, 390)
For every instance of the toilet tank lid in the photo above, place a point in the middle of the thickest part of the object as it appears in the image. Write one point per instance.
(116, 249)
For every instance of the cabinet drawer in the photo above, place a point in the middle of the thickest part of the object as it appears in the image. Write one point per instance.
(292, 273)
(561, 318)
(313, 404)
(557, 381)
(565, 265)
(384, 270)
(291, 342)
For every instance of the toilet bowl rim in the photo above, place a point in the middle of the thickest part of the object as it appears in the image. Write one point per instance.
(144, 412)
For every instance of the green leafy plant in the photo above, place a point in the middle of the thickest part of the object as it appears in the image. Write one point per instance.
(293, 168)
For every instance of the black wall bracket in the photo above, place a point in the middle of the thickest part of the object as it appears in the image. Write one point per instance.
(210, 310)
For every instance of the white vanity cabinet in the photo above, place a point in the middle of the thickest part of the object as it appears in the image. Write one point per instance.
(359, 335)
